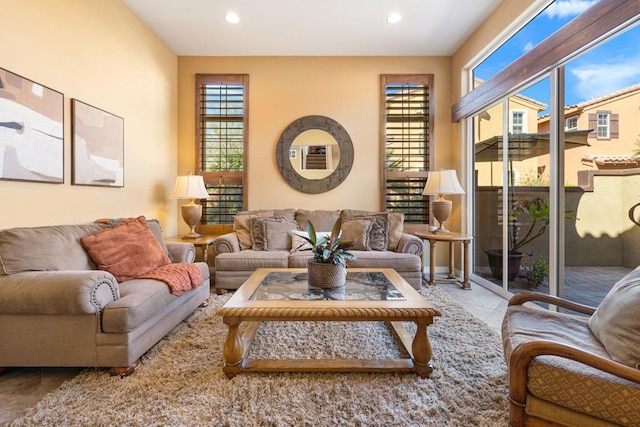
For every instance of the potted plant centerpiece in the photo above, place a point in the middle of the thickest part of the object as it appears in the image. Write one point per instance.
(328, 267)
(535, 214)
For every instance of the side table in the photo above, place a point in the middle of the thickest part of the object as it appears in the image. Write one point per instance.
(452, 238)
(203, 242)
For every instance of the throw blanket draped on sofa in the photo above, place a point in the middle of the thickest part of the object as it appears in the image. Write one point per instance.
(180, 277)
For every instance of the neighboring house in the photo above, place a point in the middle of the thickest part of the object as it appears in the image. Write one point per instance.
(523, 119)
(614, 121)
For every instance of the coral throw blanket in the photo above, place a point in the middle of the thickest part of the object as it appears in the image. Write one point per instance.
(181, 277)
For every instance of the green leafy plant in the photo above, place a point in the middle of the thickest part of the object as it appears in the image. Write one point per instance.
(330, 249)
(536, 272)
(536, 214)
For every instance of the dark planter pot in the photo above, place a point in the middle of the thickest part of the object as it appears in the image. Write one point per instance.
(495, 263)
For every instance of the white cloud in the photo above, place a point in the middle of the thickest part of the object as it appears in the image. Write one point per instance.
(527, 47)
(565, 8)
(600, 79)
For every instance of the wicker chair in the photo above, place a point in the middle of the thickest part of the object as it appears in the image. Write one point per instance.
(560, 373)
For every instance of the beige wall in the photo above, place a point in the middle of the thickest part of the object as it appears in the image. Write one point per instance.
(283, 89)
(100, 53)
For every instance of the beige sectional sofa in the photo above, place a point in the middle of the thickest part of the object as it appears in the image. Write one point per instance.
(266, 239)
(58, 309)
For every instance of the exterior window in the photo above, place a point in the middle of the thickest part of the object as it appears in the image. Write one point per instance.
(572, 123)
(518, 122)
(221, 144)
(405, 140)
(602, 125)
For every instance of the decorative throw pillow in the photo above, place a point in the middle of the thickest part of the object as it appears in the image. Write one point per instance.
(299, 244)
(126, 250)
(277, 233)
(379, 233)
(271, 233)
(241, 226)
(616, 322)
(357, 231)
(396, 228)
(153, 224)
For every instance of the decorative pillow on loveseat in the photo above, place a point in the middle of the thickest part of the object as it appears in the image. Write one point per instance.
(378, 239)
(357, 231)
(126, 250)
(616, 322)
(271, 233)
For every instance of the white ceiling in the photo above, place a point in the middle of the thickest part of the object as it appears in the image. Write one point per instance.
(313, 28)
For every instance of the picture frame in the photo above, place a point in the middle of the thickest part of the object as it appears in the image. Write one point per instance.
(97, 146)
(31, 130)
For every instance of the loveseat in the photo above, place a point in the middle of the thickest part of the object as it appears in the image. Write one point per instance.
(61, 307)
(270, 239)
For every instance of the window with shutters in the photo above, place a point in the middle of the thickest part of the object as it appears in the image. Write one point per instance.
(221, 147)
(604, 125)
(406, 136)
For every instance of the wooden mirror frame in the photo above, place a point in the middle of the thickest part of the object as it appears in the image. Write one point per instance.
(314, 186)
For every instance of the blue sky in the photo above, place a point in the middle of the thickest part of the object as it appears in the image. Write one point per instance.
(606, 68)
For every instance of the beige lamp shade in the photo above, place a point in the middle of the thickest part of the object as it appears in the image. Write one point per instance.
(190, 187)
(440, 183)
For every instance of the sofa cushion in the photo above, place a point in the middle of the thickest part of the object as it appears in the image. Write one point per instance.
(386, 259)
(242, 226)
(357, 232)
(50, 248)
(299, 259)
(251, 260)
(271, 233)
(126, 250)
(322, 220)
(139, 300)
(565, 382)
(616, 322)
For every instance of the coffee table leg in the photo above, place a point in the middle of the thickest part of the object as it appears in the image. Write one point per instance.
(232, 350)
(421, 349)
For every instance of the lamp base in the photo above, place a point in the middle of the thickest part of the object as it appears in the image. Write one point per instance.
(441, 210)
(191, 214)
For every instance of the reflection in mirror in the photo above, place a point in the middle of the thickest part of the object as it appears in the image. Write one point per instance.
(314, 154)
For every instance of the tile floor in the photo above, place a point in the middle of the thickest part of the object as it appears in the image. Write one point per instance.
(21, 388)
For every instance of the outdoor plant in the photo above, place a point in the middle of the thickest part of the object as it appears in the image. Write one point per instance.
(536, 212)
(536, 272)
(329, 249)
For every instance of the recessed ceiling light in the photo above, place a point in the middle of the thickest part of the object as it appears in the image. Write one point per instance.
(232, 17)
(394, 17)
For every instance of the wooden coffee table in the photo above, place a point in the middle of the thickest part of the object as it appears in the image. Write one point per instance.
(396, 301)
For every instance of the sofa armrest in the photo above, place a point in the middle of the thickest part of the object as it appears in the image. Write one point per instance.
(227, 243)
(410, 244)
(57, 292)
(181, 251)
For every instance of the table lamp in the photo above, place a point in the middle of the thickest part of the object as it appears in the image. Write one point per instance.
(440, 183)
(190, 187)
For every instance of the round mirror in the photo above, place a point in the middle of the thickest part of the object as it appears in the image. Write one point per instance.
(314, 154)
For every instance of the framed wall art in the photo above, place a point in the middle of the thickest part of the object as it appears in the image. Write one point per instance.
(98, 146)
(31, 130)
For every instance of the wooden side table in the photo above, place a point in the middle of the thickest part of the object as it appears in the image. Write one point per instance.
(452, 238)
(203, 242)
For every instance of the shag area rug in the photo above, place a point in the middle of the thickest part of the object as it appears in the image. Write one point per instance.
(180, 381)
